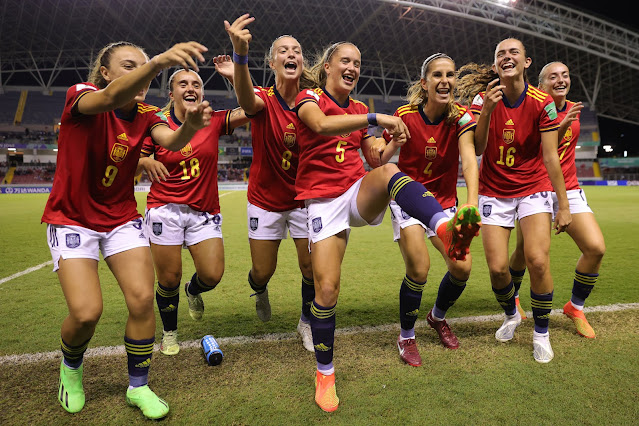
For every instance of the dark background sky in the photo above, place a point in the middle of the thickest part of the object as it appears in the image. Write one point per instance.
(621, 135)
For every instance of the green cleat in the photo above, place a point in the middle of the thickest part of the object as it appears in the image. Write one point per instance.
(459, 231)
(146, 400)
(71, 392)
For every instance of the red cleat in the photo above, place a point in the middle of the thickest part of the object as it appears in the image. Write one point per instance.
(446, 335)
(408, 352)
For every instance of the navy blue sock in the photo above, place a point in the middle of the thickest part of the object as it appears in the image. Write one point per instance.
(167, 300)
(449, 291)
(415, 200)
(410, 299)
(518, 277)
(196, 286)
(541, 306)
(138, 353)
(73, 355)
(323, 329)
(582, 286)
(506, 298)
(258, 289)
(308, 294)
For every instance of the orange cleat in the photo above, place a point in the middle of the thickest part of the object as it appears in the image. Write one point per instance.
(581, 323)
(325, 394)
(459, 231)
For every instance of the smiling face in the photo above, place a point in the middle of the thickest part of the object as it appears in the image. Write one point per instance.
(342, 69)
(439, 81)
(186, 91)
(123, 60)
(555, 80)
(286, 60)
(510, 59)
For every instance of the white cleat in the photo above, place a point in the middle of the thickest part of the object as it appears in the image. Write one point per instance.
(304, 330)
(542, 351)
(196, 305)
(506, 332)
(169, 344)
(263, 306)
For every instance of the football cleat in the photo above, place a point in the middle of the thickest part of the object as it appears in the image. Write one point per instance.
(446, 335)
(325, 394)
(262, 305)
(304, 330)
(506, 332)
(70, 391)
(408, 351)
(196, 305)
(578, 317)
(542, 351)
(169, 345)
(146, 400)
(459, 231)
(521, 311)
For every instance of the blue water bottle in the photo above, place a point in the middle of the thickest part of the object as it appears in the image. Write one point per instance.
(211, 350)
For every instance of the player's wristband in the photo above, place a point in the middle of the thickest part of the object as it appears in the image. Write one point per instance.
(372, 118)
(240, 59)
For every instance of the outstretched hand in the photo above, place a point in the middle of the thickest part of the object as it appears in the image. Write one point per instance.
(182, 54)
(155, 170)
(240, 36)
(224, 66)
(198, 117)
(573, 113)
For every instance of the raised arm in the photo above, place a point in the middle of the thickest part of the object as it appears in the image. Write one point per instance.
(124, 89)
(240, 37)
(493, 95)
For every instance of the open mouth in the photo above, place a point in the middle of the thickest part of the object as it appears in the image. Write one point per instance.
(508, 66)
(292, 66)
(349, 79)
(191, 99)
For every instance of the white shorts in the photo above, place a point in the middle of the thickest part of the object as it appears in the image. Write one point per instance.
(401, 220)
(178, 224)
(77, 242)
(330, 216)
(504, 211)
(576, 200)
(267, 225)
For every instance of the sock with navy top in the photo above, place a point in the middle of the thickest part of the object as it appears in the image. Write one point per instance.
(258, 289)
(308, 294)
(73, 355)
(541, 306)
(506, 298)
(518, 277)
(410, 299)
(582, 286)
(138, 353)
(323, 329)
(167, 300)
(196, 286)
(416, 200)
(449, 291)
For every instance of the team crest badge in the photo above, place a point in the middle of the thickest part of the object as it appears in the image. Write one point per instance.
(187, 150)
(431, 152)
(289, 139)
(253, 223)
(119, 152)
(487, 209)
(509, 135)
(73, 240)
(317, 224)
(568, 134)
(157, 228)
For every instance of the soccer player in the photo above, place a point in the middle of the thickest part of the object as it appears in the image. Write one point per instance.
(92, 208)
(339, 193)
(183, 204)
(441, 130)
(517, 133)
(272, 209)
(554, 78)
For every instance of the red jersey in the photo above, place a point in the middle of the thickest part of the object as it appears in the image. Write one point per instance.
(275, 154)
(431, 156)
(192, 176)
(97, 159)
(512, 164)
(329, 165)
(567, 149)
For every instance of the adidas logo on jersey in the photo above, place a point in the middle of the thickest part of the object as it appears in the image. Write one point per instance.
(510, 122)
(123, 137)
(431, 140)
(290, 126)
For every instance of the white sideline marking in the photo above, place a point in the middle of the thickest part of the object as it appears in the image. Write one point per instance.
(26, 271)
(240, 340)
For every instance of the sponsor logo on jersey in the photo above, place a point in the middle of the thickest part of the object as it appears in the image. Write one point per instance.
(551, 110)
(508, 136)
(317, 224)
(289, 139)
(122, 137)
(253, 223)
(73, 240)
(431, 152)
(187, 150)
(290, 126)
(487, 209)
(510, 122)
(157, 228)
(431, 140)
(119, 152)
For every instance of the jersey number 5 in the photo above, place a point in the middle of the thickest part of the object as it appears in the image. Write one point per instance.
(340, 156)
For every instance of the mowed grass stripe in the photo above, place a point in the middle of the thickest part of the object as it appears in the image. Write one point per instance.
(18, 359)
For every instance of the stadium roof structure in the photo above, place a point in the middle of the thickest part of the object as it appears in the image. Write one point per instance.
(48, 45)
